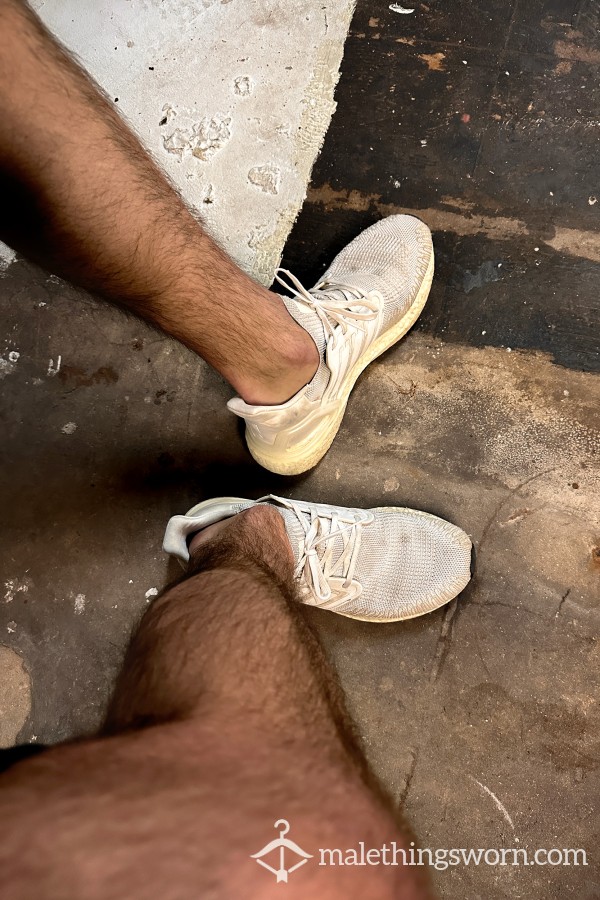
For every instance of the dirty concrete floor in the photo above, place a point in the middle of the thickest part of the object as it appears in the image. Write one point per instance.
(499, 689)
(498, 692)
(483, 121)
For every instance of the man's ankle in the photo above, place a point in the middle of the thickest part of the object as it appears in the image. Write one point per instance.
(256, 536)
(292, 366)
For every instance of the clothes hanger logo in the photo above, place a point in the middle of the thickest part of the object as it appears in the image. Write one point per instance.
(287, 851)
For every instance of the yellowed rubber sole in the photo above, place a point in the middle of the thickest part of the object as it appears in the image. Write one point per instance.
(311, 452)
(400, 618)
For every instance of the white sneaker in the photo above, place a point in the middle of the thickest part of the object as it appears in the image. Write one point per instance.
(379, 565)
(370, 296)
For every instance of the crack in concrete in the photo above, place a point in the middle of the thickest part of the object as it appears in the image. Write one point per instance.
(562, 603)
(409, 777)
(443, 642)
(512, 493)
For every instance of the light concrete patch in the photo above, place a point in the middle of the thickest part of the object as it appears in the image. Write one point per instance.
(7, 256)
(15, 696)
(233, 99)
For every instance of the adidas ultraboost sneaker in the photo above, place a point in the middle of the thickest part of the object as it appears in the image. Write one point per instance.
(380, 565)
(370, 296)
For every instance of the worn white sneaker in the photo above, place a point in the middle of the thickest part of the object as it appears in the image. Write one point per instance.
(370, 296)
(379, 565)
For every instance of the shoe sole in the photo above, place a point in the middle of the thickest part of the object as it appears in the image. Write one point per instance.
(294, 463)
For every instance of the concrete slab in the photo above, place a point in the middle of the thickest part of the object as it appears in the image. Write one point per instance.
(232, 98)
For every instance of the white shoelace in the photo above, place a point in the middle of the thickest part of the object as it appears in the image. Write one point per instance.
(320, 529)
(333, 303)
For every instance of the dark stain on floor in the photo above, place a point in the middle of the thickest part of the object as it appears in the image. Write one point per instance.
(483, 119)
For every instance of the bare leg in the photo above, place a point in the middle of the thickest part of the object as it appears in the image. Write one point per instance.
(82, 197)
(226, 718)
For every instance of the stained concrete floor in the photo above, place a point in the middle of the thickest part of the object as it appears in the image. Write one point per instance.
(496, 694)
(499, 690)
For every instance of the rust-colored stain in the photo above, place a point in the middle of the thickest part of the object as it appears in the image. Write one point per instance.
(596, 557)
(80, 378)
(571, 241)
(563, 67)
(565, 50)
(435, 61)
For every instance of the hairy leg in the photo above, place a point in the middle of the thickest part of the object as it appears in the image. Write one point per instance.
(82, 197)
(226, 718)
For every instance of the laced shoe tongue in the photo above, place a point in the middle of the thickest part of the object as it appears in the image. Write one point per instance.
(339, 292)
(296, 535)
(307, 319)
